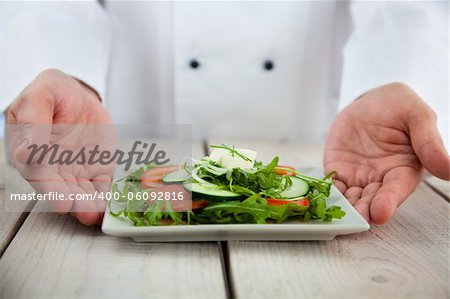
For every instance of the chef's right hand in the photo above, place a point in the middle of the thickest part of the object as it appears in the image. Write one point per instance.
(54, 98)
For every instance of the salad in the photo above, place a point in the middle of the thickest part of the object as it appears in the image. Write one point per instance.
(229, 186)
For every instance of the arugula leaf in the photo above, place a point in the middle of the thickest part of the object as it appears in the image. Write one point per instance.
(251, 210)
(271, 166)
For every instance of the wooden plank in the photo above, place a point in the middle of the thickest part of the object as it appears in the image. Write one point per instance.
(2, 165)
(440, 186)
(406, 258)
(10, 222)
(53, 256)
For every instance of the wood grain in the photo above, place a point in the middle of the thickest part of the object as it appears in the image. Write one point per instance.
(440, 186)
(2, 165)
(53, 256)
(10, 222)
(406, 258)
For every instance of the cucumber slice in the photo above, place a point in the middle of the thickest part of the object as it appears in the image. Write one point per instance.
(298, 188)
(211, 193)
(178, 176)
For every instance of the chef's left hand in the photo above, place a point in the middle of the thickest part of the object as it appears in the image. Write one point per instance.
(379, 145)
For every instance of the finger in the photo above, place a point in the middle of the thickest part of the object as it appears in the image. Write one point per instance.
(362, 205)
(101, 205)
(100, 218)
(45, 181)
(71, 181)
(79, 204)
(427, 143)
(31, 108)
(85, 208)
(353, 194)
(102, 183)
(397, 185)
(80, 187)
(100, 197)
(86, 212)
(340, 185)
(86, 185)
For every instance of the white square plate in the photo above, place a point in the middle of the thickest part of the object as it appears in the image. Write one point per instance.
(352, 222)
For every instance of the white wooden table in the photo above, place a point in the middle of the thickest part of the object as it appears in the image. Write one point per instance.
(50, 256)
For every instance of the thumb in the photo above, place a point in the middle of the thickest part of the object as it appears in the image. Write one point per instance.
(31, 136)
(428, 145)
(28, 122)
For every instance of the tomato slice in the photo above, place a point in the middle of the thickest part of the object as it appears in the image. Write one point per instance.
(188, 205)
(199, 204)
(172, 190)
(284, 171)
(153, 176)
(303, 202)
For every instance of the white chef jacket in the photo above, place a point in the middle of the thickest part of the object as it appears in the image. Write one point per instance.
(254, 70)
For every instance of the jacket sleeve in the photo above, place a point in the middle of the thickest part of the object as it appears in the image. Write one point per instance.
(73, 37)
(396, 41)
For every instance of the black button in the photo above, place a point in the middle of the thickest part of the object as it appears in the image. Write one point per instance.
(268, 65)
(194, 64)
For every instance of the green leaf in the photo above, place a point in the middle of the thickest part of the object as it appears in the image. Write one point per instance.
(271, 167)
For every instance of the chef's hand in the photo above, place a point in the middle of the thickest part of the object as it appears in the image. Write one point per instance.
(379, 145)
(54, 98)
